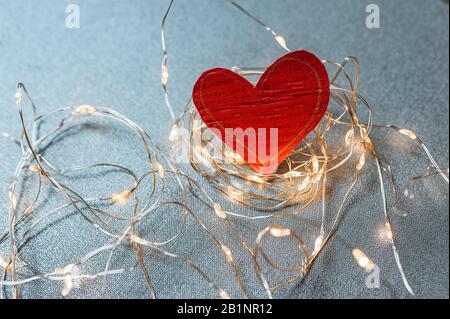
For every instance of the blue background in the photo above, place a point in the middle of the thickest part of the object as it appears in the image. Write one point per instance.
(114, 60)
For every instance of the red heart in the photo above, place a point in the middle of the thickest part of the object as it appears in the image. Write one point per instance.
(291, 96)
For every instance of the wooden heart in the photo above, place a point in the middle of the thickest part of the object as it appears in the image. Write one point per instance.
(264, 123)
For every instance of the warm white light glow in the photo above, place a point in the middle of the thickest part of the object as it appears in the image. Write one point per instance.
(3, 263)
(164, 75)
(282, 42)
(279, 231)
(219, 212)
(160, 170)
(349, 137)
(223, 295)
(361, 162)
(18, 97)
(35, 169)
(408, 133)
(362, 259)
(121, 198)
(86, 109)
(227, 253)
(256, 179)
(315, 165)
(318, 243)
(292, 174)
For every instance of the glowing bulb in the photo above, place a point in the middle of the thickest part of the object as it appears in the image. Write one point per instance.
(13, 200)
(292, 174)
(227, 253)
(361, 162)
(256, 179)
(408, 133)
(349, 137)
(362, 259)
(368, 145)
(233, 193)
(28, 210)
(85, 109)
(388, 232)
(318, 243)
(160, 170)
(68, 284)
(18, 97)
(282, 42)
(164, 74)
(279, 231)
(138, 240)
(3, 263)
(173, 133)
(304, 185)
(223, 295)
(35, 169)
(121, 198)
(315, 165)
(219, 212)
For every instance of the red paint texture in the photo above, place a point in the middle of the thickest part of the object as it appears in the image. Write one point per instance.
(291, 96)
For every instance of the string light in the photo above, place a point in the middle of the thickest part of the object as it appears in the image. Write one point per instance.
(3, 263)
(362, 259)
(85, 109)
(121, 198)
(227, 253)
(361, 162)
(219, 212)
(164, 75)
(318, 244)
(312, 160)
(279, 231)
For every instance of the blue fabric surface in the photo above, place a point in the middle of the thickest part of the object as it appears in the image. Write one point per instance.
(114, 60)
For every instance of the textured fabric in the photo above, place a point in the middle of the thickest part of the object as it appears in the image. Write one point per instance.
(113, 60)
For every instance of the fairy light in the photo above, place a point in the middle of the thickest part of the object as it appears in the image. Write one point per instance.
(271, 199)
(315, 165)
(219, 212)
(361, 162)
(255, 179)
(164, 74)
(279, 231)
(305, 183)
(121, 198)
(160, 170)
(227, 253)
(18, 97)
(13, 200)
(362, 260)
(408, 133)
(292, 174)
(233, 193)
(282, 42)
(387, 232)
(318, 243)
(35, 169)
(173, 133)
(3, 263)
(85, 109)
(224, 295)
(349, 137)
(68, 281)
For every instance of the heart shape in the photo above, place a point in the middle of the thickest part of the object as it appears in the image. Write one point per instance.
(286, 104)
